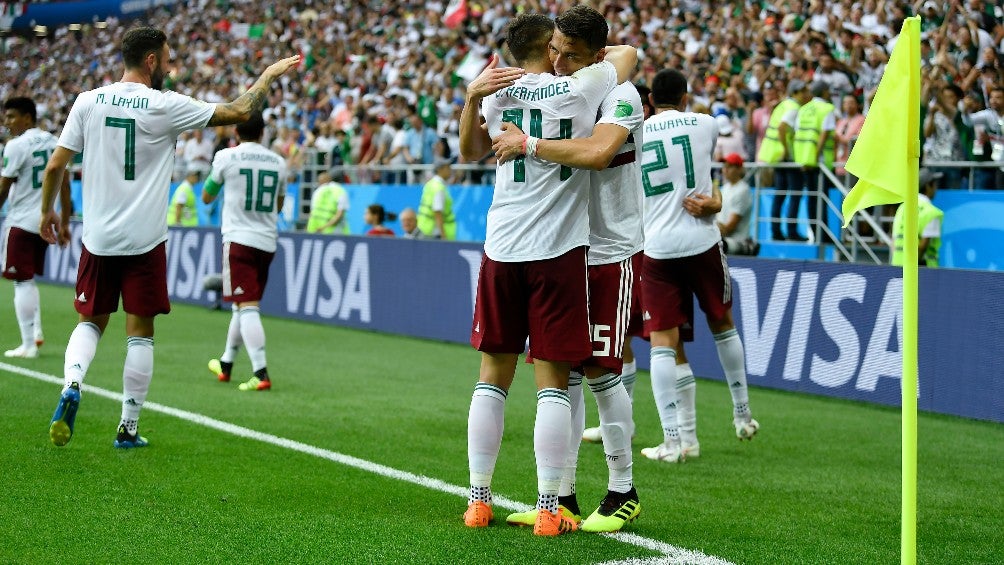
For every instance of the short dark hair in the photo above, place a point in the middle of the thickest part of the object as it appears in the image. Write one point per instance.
(644, 91)
(139, 42)
(381, 213)
(956, 90)
(527, 36)
(23, 105)
(668, 88)
(252, 129)
(585, 23)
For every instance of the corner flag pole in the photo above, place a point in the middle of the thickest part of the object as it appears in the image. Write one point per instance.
(908, 548)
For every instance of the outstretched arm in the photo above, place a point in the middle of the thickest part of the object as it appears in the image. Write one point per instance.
(624, 58)
(253, 100)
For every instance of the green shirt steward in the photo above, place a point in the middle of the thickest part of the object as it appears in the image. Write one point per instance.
(927, 212)
(771, 149)
(324, 206)
(427, 214)
(810, 127)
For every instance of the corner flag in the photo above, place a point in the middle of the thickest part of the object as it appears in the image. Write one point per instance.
(886, 160)
(888, 147)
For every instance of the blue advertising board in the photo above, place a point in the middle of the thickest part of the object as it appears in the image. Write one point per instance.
(820, 328)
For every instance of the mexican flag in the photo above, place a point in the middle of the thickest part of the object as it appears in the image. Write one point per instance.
(247, 31)
(456, 13)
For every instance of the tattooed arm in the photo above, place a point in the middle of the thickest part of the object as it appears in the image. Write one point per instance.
(254, 99)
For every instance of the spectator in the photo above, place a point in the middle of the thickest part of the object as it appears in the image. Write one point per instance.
(848, 128)
(419, 143)
(989, 128)
(946, 135)
(198, 152)
(409, 224)
(737, 204)
(375, 216)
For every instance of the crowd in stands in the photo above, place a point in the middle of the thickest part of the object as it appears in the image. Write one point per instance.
(383, 81)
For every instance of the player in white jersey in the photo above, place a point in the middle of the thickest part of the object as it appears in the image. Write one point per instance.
(615, 237)
(24, 159)
(253, 179)
(533, 277)
(683, 253)
(127, 132)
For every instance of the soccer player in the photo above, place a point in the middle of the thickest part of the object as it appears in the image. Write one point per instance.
(684, 252)
(24, 159)
(253, 178)
(615, 236)
(127, 132)
(533, 278)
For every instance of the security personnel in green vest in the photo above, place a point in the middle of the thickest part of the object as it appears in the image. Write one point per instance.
(181, 211)
(928, 224)
(328, 205)
(813, 144)
(435, 211)
(776, 148)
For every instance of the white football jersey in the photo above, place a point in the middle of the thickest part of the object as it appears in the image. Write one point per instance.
(253, 179)
(676, 163)
(127, 132)
(539, 209)
(24, 159)
(615, 231)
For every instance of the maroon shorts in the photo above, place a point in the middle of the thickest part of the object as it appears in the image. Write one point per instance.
(140, 279)
(610, 296)
(545, 300)
(245, 272)
(636, 326)
(23, 254)
(668, 284)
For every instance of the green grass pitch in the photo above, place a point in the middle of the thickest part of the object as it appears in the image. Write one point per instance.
(820, 484)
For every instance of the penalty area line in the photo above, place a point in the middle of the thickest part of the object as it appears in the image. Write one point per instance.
(670, 554)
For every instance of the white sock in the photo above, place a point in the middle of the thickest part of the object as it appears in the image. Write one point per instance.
(628, 375)
(614, 407)
(485, 424)
(550, 438)
(136, 376)
(663, 371)
(730, 353)
(254, 336)
(79, 353)
(578, 414)
(234, 339)
(686, 406)
(26, 309)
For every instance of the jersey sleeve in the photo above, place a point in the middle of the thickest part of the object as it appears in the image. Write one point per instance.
(622, 110)
(217, 172)
(72, 136)
(595, 81)
(186, 112)
(13, 158)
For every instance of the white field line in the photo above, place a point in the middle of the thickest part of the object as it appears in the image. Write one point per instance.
(671, 555)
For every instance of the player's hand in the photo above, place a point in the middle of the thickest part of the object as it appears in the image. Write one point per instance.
(493, 79)
(279, 68)
(48, 227)
(64, 234)
(701, 205)
(508, 145)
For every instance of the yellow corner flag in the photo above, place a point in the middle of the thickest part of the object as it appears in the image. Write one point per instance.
(886, 159)
(888, 147)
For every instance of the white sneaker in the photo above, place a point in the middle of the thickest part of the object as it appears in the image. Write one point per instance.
(691, 450)
(665, 453)
(592, 435)
(22, 352)
(746, 429)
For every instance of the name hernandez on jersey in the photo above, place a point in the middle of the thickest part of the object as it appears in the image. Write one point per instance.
(539, 209)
